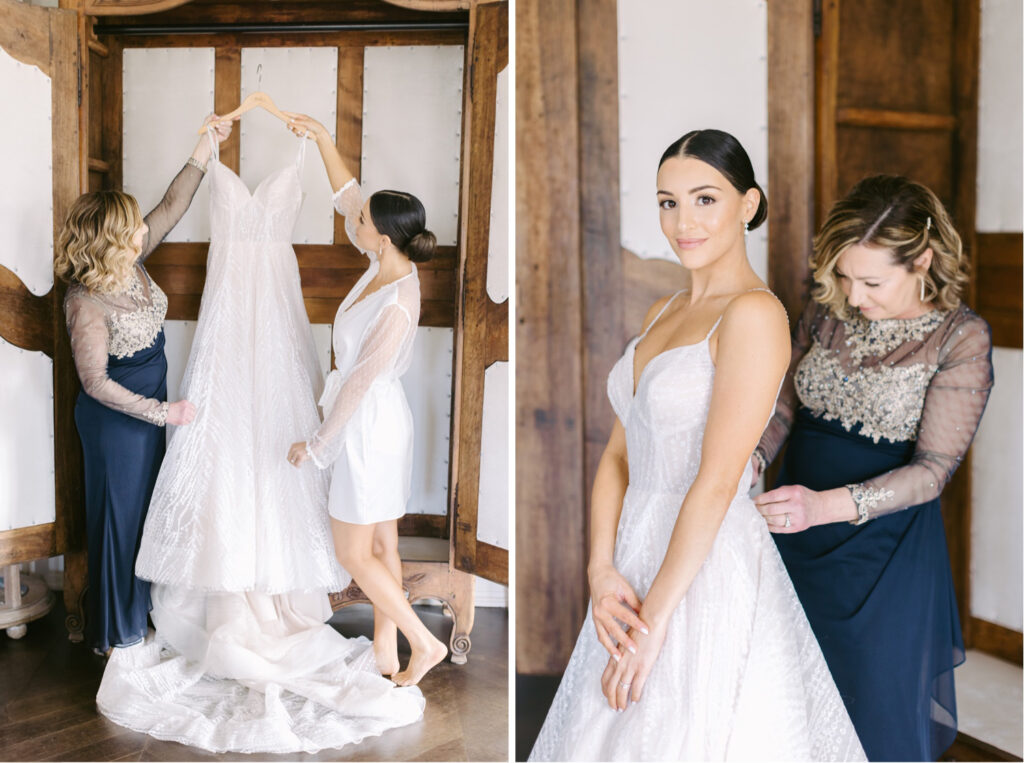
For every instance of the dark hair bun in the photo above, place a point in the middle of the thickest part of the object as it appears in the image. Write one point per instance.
(723, 152)
(421, 247)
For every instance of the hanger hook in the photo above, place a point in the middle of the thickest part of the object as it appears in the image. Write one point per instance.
(259, 76)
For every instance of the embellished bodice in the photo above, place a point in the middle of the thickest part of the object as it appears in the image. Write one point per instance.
(267, 214)
(923, 380)
(871, 374)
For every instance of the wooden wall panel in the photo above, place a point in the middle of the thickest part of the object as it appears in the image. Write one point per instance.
(922, 155)
(604, 330)
(879, 37)
(999, 261)
(550, 573)
(790, 150)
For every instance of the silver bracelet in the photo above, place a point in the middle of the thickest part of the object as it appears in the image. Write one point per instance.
(195, 163)
(867, 498)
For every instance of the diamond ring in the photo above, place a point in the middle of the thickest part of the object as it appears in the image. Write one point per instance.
(788, 523)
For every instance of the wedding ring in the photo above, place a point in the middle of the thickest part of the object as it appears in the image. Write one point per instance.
(788, 523)
(624, 686)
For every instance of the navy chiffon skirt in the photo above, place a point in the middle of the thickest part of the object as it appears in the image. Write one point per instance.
(122, 458)
(879, 597)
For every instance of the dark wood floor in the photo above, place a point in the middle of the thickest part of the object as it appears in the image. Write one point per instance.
(48, 711)
(534, 695)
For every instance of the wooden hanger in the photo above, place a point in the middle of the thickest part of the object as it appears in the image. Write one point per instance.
(251, 101)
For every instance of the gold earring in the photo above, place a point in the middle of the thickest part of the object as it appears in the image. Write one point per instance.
(922, 289)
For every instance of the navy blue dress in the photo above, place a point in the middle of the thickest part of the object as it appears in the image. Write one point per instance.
(887, 408)
(879, 597)
(117, 341)
(122, 458)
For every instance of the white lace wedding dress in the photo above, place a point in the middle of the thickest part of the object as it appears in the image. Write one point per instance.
(237, 541)
(740, 675)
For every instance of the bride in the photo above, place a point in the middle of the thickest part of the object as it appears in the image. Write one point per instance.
(696, 647)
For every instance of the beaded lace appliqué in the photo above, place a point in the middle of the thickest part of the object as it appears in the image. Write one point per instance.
(138, 329)
(876, 338)
(852, 397)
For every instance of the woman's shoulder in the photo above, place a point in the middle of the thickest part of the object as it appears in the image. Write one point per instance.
(964, 331)
(755, 306)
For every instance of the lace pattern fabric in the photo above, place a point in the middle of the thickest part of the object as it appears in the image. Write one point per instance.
(119, 324)
(924, 380)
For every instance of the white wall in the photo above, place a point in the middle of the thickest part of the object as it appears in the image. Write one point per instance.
(26, 249)
(686, 65)
(997, 496)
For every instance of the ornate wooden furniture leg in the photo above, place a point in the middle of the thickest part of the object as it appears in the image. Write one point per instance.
(75, 579)
(427, 574)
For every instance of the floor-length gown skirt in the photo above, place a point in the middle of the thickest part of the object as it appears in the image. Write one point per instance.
(879, 597)
(122, 458)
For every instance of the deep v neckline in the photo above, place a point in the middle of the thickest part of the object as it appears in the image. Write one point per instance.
(252, 194)
(364, 297)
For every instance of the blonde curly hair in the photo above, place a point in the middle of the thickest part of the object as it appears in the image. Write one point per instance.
(890, 212)
(95, 245)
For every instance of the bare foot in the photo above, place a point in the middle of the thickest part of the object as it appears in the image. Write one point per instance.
(420, 662)
(386, 656)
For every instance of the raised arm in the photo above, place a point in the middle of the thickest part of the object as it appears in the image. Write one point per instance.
(87, 327)
(753, 353)
(377, 355)
(178, 196)
(338, 172)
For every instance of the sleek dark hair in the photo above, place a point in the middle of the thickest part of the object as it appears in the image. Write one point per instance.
(400, 217)
(723, 152)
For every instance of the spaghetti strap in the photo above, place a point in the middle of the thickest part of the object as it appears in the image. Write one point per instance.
(214, 147)
(662, 310)
(300, 159)
(748, 291)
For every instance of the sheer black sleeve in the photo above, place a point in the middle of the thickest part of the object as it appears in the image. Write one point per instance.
(172, 206)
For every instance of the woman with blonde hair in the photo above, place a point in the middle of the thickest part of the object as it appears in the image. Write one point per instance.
(889, 377)
(115, 314)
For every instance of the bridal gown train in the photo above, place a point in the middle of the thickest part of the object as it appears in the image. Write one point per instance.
(237, 541)
(740, 675)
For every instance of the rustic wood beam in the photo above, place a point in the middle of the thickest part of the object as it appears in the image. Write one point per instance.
(895, 120)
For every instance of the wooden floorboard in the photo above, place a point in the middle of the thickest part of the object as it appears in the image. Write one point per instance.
(48, 692)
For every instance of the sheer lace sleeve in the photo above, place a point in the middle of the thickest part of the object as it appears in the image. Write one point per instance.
(87, 326)
(777, 431)
(378, 354)
(172, 206)
(953, 405)
(348, 201)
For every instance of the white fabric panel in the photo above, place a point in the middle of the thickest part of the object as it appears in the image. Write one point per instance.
(296, 79)
(428, 387)
(427, 384)
(997, 570)
(687, 65)
(168, 92)
(27, 494)
(489, 594)
(497, 249)
(1000, 200)
(26, 193)
(492, 511)
(412, 128)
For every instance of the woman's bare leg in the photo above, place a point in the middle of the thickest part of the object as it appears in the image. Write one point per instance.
(385, 632)
(353, 545)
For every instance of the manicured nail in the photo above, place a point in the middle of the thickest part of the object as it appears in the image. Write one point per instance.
(616, 657)
(632, 649)
(645, 631)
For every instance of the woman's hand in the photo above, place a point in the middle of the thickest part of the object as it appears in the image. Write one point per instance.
(792, 508)
(301, 124)
(613, 600)
(222, 131)
(180, 413)
(623, 680)
(297, 454)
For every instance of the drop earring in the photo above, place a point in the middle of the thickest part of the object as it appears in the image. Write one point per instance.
(922, 289)
(746, 228)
